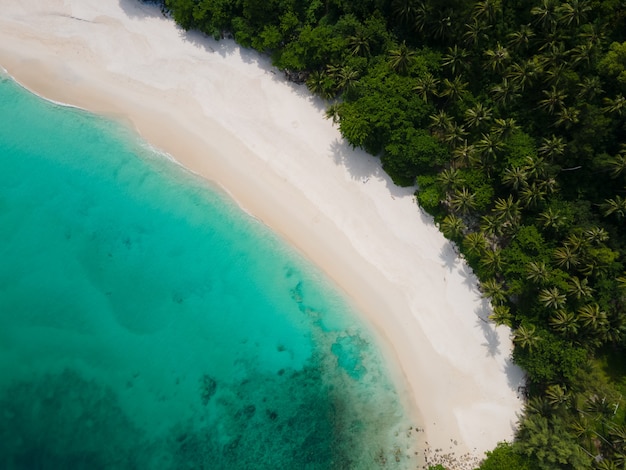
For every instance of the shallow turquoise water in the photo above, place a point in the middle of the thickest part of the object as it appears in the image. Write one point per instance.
(147, 322)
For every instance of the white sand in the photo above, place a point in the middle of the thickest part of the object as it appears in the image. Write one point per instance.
(226, 114)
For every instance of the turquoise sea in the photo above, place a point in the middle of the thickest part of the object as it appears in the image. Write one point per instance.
(146, 322)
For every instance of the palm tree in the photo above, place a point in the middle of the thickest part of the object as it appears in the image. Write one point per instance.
(615, 206)
(333, 112)
(537, 272)
(359, 44)
(535, 166)
(475, 243)
(545, 14)
(554, 52)
(492, 261)
(594, 265)
(557, 395)
(576, 242)
(596, 235)
(553, 101)
(532, 195)
(477, 115)
(608, 464)
(579, 288)
(475, 32)
(507, 210)
(538, 406)
(526, 336)
(567, 117)
(401, 58)
(524, 74)
(552, 298)
(504, 92)
(464, 154)
(521, 39)
(320, 84)
(441, 26)
(493, 290)
(618, 437)
(548, 186)
(454, 89)
(463, 201)
(503, 128)
(450, 179)
(593, 32)
(487, 10)
(515, 177)
(566, 257)
(452, 226)
(454, 135)
(590, 87)
(488, 147)
(440, 123)
(501, 315)
(552, 219)
(616, 105)
(552, 147)
(583, 53)
(491, 225)
(598, 405)
(456, 58)
(426, 86)
(572, 11)
(347, 77)
(497, 58)
(591, 316)
(617, 164)
(564, 322)
(555, 73)
(407, 11)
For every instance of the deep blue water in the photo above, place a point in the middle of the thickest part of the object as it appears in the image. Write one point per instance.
(147, 322)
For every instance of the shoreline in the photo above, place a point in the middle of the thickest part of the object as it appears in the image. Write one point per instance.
(273, 152)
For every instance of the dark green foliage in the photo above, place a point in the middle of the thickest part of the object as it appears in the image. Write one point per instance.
(411, 152)
(613, 65)
(507, 457)
(549, 442)
(481, 186)
(315, 47)
(551, 360)
(183, 12)
(518, 147)
(527, 246)
(382, 106)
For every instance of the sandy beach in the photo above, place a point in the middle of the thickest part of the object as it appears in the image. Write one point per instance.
(224, 113)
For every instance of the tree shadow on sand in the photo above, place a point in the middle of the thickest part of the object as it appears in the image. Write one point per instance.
(362, 167)
(141, 9)
(488, 328)
(469, 278)
(515, 376)
(449, 254)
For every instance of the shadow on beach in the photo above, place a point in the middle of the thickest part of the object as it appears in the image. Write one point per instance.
(363, 166)
(515, 376)
(492, 339)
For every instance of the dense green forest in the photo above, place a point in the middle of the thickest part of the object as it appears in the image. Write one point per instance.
(510, 116)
